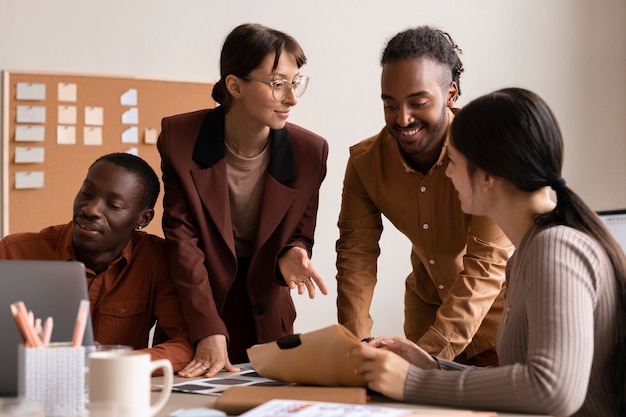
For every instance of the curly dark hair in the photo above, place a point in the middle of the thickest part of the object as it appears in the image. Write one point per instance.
(144, 172)
(426, 42)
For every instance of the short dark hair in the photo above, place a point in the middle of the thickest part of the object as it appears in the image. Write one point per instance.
(147, 177)
(245, 48)
(426, 42)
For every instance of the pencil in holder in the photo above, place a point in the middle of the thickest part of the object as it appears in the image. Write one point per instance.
(53, 376)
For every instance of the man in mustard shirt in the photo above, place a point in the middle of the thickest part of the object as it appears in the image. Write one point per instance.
(453, 296)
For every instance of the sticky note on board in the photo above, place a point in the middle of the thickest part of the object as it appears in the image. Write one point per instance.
(66, 135)
(132, 151)
(29, 133)
(30, 91)
(29, 179)
(92, 135)
(129, 98)
(94, 116)
(29, 154)
(130, 135)
(130, 116)
(66, 115)
(67, 92)
(31, 114)
(150, 135)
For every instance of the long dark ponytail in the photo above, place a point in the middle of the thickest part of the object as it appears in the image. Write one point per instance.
(513, 134)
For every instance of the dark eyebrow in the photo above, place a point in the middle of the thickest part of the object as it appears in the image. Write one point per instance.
(412, 95)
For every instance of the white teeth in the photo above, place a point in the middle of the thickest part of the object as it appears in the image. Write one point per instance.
(409, 132)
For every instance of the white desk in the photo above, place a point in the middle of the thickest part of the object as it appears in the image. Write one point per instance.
(182, 400)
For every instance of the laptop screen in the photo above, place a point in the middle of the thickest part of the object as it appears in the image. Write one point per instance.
(49, 289)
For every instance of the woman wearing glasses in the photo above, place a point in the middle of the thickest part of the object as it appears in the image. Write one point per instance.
(241, 196)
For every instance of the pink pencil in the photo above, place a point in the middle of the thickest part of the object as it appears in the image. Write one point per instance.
(47, 331)
(32, 339)
(81, 323)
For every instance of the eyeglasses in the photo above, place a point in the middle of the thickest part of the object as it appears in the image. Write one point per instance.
(280, 88)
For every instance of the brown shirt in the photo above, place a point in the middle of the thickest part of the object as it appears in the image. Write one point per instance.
(458, 260)
(126, 298)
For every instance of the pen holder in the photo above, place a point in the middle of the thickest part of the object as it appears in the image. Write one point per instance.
(53, 376)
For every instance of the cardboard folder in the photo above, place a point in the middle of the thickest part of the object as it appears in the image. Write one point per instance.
(237, 400)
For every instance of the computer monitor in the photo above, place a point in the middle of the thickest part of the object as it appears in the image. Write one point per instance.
(615, 220)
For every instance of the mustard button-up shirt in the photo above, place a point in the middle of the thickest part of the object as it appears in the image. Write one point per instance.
(458, 260)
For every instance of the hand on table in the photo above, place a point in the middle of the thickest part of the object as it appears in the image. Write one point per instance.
(299, 272)
(211, 357)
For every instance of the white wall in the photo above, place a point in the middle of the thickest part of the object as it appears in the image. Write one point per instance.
(572, 52)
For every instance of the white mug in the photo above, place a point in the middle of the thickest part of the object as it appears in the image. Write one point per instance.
(124, 379)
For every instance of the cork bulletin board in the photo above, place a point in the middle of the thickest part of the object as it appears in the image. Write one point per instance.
(56, 125)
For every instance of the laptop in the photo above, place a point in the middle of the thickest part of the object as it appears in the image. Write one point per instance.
(48, 288)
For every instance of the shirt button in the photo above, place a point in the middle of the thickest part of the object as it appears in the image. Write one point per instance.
(432, 262)
(122, 311)
(469, 340)
(441, 287)
(425, 226)
(423, 189)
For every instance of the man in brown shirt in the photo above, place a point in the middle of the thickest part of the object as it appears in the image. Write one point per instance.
(128, 276)
(453, 297)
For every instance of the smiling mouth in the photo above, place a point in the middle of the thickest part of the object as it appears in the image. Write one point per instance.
(86, 226)
(410, 132)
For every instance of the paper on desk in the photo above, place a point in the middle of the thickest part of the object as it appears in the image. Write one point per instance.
(288, 408)
(223, 381)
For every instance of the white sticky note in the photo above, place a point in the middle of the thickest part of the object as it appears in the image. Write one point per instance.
(130, 135)
(130, 116)
(66, 135)
(30, 91)
(28, 179)
(132, 151)
(92, 135)
(67, 115)
(94, 116)
(29, 154)
(31, 114)
(67, 92)
(150, 135)
(129, 98)
(29, 133)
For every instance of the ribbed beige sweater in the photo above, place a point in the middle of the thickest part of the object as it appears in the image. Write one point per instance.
(555, 344)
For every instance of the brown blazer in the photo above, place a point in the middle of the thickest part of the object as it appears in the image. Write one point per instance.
(198, 228)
